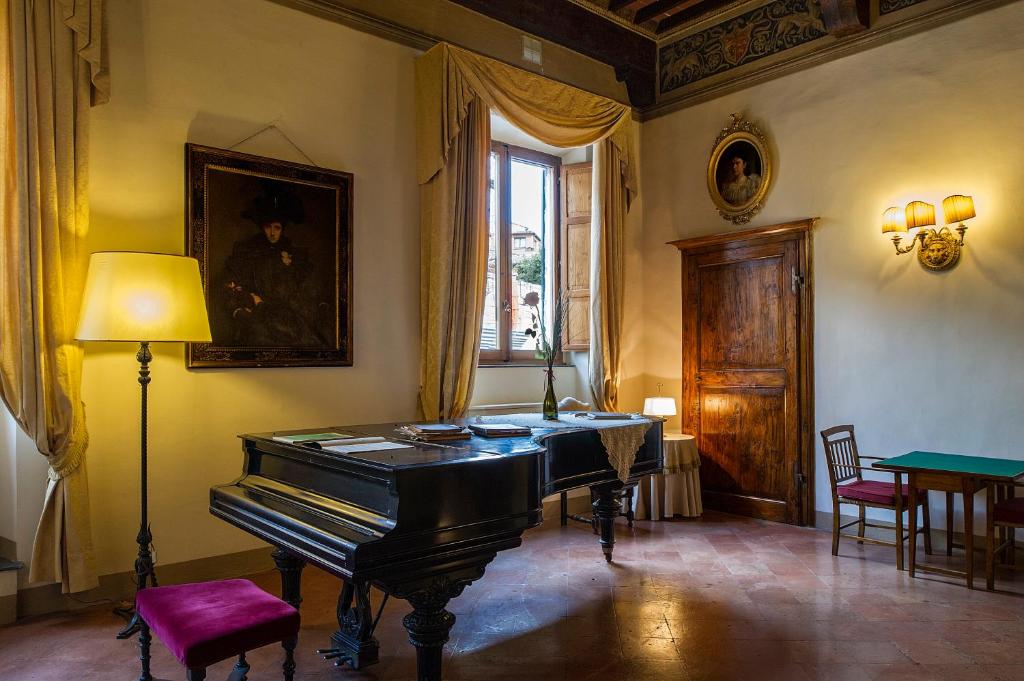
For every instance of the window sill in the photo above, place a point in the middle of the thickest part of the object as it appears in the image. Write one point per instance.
(520, 365)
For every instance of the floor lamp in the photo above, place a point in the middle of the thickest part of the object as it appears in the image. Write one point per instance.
(143, 298)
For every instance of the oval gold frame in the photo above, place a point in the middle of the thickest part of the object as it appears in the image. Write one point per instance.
(739, 130)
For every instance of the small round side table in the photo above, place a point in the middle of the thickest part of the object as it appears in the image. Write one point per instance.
(676, 490)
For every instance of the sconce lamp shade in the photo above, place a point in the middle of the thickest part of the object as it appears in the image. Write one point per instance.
(660, 406)
(920, 214)
(958, 208)
(893, 220)
(143, 297)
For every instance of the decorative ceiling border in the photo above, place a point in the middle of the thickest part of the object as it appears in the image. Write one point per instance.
(921, 15)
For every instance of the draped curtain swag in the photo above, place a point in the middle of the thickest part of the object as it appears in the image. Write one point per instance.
(455, 89)
(52, 68)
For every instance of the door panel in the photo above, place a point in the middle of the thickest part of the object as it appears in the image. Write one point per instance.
(742, 382)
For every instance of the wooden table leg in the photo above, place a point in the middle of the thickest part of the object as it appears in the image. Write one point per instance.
(949, 523)
(969, 531)
(899, 521)
(991, 491)
(912, 520)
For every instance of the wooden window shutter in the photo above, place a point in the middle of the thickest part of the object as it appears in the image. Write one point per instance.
(576, 193)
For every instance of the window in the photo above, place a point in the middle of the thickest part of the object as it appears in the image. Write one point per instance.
(522, 255)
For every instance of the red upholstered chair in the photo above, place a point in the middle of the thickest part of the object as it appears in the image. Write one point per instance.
(211, 621)
(1004, 511)
(845, 475)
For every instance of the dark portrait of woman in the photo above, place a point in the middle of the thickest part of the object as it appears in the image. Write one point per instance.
(269, 292)
(739, 173)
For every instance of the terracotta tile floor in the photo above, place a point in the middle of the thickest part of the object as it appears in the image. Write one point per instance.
(722, 598)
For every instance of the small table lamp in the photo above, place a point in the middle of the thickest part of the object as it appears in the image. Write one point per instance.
(660, 406)
(144, 298)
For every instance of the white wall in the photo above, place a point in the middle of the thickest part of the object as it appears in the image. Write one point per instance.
(213, 73)
(915, 360)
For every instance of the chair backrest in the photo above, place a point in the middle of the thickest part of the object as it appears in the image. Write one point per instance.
(841, 454)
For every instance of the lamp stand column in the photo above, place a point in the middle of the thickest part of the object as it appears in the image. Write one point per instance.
(144, 571)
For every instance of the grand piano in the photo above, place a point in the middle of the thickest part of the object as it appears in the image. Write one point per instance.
(420, 523)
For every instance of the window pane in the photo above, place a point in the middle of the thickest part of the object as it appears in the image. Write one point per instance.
(489, 335)
(529, 267)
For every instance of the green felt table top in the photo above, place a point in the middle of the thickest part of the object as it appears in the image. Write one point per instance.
(979, 466)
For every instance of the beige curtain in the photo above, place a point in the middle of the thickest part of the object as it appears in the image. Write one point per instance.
(609, 204)
(453, 86)
(53, 69)
(453, 272)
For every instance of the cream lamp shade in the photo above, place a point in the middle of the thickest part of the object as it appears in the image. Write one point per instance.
(143, 297)
(957, 208)
(660, 406)
(893, 220)
(920, 214)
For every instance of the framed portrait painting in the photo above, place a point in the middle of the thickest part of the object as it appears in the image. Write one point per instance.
(274, 245)
(739, 171)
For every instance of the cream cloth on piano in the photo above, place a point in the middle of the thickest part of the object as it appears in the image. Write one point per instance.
(676, 491)
(621, 438)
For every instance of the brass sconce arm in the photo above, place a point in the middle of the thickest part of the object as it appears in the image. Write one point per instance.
(910, 247)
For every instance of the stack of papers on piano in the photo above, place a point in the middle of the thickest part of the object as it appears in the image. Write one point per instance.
(363, 444)
(605, 416)
(434, 432)
(499, 429)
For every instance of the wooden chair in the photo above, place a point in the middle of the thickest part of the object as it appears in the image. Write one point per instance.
(845, 474)
(208, 622)
(1005, 512)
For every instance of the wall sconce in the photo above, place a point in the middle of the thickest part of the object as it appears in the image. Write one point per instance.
(938, 249)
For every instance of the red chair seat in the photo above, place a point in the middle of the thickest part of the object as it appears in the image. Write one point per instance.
(874, 491)
(1010, 511)
(211, 621)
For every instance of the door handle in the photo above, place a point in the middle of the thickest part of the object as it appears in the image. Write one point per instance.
(797, 280)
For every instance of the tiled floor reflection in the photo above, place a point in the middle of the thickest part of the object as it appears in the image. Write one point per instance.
(722, 598)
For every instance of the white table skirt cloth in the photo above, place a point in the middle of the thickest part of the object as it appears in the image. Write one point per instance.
(675, 491)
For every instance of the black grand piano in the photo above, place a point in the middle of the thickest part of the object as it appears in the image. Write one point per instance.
(420, 523)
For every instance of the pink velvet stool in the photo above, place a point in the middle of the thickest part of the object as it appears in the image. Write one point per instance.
(211, 621)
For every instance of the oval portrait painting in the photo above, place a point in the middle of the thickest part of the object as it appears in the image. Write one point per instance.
(739, 171)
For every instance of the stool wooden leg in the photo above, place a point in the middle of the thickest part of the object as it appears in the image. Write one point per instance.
(289, 657)
(630, 516)
(990, 538)
(144, 642)
(195, 674)
(563, 504)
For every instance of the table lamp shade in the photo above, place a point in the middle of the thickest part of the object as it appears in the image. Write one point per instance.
(660, 406)
(143, 297)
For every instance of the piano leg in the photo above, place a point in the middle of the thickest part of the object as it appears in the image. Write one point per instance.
(607, 507)
(353, 642)
(429, 624)
(290, 568)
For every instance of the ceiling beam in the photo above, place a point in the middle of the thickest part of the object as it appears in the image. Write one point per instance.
(616, 6)
(661, 7)
(689, 14)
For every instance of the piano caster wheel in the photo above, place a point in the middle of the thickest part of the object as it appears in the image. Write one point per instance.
(608, 555)
(340, 657)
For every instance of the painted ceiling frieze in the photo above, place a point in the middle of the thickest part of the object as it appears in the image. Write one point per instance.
(759, 33)
(886, 6)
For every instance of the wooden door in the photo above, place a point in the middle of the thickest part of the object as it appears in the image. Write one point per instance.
(747, 369)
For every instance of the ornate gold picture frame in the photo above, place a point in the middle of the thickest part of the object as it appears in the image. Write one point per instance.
(739, 171)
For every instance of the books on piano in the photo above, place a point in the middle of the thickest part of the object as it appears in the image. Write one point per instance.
(299, 438)
(499, 429)
(434, 432)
